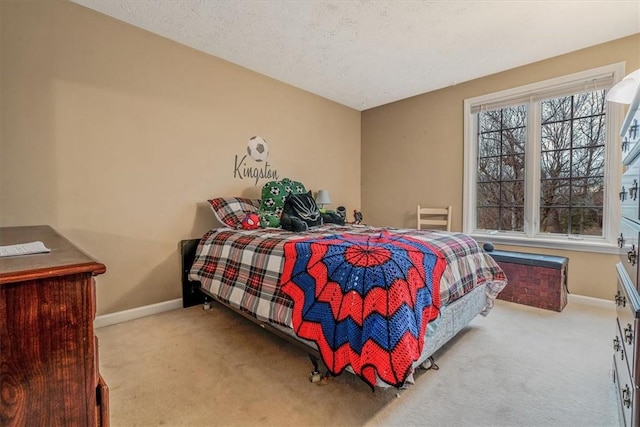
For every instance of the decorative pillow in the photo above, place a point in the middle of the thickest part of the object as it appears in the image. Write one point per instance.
(230, 211)
(300, 212)
(274, 194)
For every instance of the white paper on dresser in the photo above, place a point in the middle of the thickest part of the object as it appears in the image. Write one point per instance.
(36, 247)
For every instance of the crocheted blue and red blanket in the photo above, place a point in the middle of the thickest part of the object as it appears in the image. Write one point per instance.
(365, 300)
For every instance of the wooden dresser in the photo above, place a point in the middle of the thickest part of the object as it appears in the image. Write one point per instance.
(626, 343)
(48, 350)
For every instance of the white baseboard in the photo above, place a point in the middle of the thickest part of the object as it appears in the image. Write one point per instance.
(597, 302)
(136, 313)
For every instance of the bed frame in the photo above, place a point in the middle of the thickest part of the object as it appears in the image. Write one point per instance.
(191, 293)
(453, 319)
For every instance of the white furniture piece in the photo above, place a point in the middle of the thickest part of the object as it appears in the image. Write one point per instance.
(626, 358)
(434, 217)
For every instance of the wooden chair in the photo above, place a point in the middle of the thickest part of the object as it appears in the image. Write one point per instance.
(438, 217)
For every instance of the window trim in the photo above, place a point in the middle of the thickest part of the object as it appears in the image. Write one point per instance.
(613, 168)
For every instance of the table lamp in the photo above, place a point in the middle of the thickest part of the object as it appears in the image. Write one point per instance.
(322, 198)
(624, 91)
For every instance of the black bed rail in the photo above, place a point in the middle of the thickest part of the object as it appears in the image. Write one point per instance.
(191, 293)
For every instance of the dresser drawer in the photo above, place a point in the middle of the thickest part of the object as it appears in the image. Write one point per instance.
(629, 197)
(627, 324)
(625, 391)
(627, 303)
(631, 137)
(628, 249)
(619, 352)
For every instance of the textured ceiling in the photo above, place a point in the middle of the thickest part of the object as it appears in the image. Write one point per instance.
(368, 53)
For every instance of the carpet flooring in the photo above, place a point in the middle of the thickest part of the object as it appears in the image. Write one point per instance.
(519, 366)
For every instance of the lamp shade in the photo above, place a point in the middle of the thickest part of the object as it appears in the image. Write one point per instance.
(322, 198)
(624, 91)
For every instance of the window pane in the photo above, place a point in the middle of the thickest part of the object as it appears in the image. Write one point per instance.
(555, 110)
(588, 132)
(554, 220)
(512, 219)
(513, 140)
(512, 194)
(587, 162)
(514, 117)
(572, 164)
(589, 104)
(554, 192)
(488, 169)
(588, 192)
(501, 169)
(487, 218)
(513, 167)
(555, 164)
(489, 145)
(493, 218)
(556, 136)
(587, 221)
(489, 121)
(563, 220)
(489, 194)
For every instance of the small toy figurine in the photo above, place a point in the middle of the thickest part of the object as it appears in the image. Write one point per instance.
(251, 221)
(357, 217)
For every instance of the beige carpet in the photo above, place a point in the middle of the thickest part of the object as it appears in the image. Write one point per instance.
(520, 366)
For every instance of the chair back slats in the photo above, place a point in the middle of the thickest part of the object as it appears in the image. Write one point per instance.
(434, 217)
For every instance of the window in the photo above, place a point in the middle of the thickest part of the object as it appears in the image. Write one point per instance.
(540, 163)
(501, 140)
(572, 164)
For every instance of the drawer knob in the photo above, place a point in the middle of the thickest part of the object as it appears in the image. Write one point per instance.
(628, 334)
(620, 299)
(621, 241)
(626, 396)
(633, 191)
(631, 255)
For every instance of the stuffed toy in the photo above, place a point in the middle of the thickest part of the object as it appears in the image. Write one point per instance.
(332, 218)
(273, 195)
(357, 217)
(251, 221)
(300, 212)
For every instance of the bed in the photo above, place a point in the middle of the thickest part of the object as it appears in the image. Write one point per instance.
(378, 302)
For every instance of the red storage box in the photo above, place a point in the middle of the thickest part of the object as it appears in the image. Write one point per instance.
(533, 279)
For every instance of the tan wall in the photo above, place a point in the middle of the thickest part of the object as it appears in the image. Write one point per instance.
(423, 137)
(116, 137)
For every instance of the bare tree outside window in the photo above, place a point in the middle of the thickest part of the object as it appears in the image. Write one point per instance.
(501, 168)
(572, 158)
(572, 166)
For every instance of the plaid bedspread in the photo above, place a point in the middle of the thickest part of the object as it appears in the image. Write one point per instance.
(243, 267)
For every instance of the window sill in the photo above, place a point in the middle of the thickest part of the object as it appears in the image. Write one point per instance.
(561, 244)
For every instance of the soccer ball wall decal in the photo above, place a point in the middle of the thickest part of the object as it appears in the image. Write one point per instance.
(258, 149)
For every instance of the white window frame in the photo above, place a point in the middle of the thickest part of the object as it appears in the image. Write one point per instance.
(612, 174)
